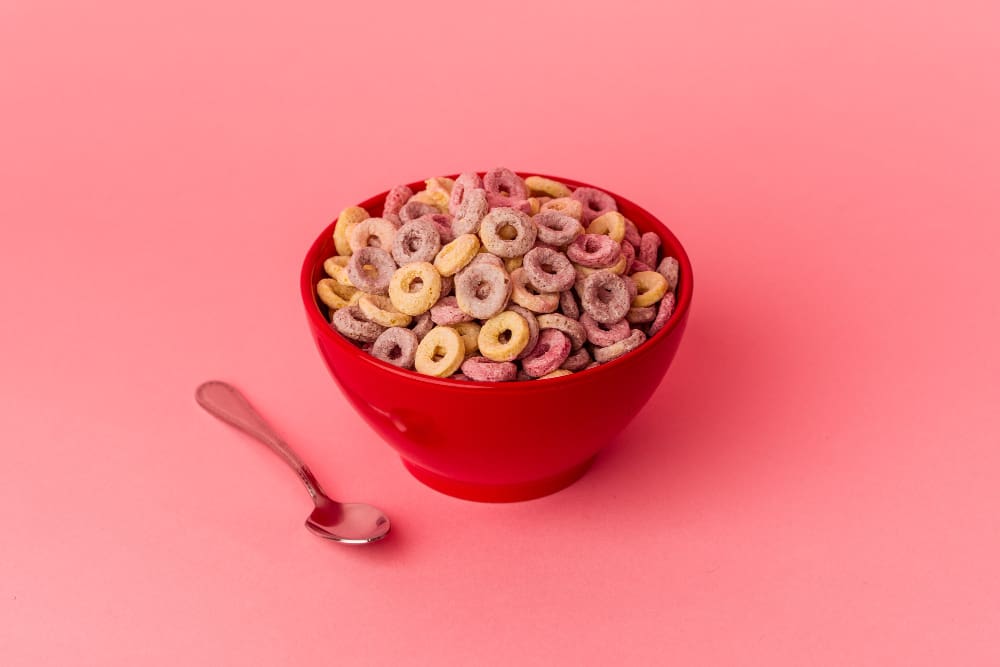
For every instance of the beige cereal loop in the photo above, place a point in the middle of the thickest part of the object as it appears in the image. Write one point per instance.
(336, 268)
(503, 336)
(335, 295)
(526, 296)
(611, 224)
(566, 206)
(440, 184)
(379, 309)
(618, 268)
(436, 198)
(377, 232)
(512, 264)
(453, 257)
(469, 331)
(414, 288)
(346, 222)
(651, 288)
(558, 373)
(535, 205)
(440, 353)
(539, 185)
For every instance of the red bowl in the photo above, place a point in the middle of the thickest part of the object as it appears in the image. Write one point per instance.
(498, 442)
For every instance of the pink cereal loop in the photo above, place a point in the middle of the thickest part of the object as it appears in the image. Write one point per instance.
(649, 249)
(499, 218)
(603, 335)
(464, 184)
(641, 315)
(628, 252)
(504, 182)
(397, 346)
(351, 323)
(573, 330)
(605, 296)
(595, 203)
(523, 294)
(481, 369)
(670, 268)
(412, 210)
(568, 305)
(442, 222)
(482, 290)
(595, 251)
(632, 234)
(555, 228)
(500, 201)
(605, 354)
(446, 311)
(549, 270)
(362, 278)
(577, 361)
(377, 232)
(549, 354)
(533, 328)
(394, 201)
(421, 325)
(416, 241)
(470, 213)
(666, 309)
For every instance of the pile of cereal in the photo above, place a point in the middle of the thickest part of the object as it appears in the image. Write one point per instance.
(501, 278)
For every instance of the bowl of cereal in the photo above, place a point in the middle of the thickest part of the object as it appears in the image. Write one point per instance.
(499, 329)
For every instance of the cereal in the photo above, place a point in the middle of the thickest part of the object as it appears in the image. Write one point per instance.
(396, 346)
(523, 294)
(416, 241)
(651, 288)
(496, 278)
(605, 354)
(379, 309)
(440, 353)
(524, 232)
(371, 269)
(351, 322)
(504, 336)
(373, 232)
(594, 203)
(482, 290)
(482, 369)
(549, 354)
(605, 297)
(539, 185)
(346, 222)
(457, 254)
(414, 288)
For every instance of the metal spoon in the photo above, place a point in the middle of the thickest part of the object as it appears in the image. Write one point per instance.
(353, 523)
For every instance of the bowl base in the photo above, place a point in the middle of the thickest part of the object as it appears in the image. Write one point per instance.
(497, 493)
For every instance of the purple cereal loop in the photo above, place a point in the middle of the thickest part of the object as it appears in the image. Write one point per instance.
(641, 315)
(470, 213)
(577, 361)
(574, 330)
(603, 335)
(412, 210)
(397, 346)
(446, 311)
(416, 241)
(663, 314)
(497, 219)
(549, 270)
(605, 296)
(628, 252)
(364, 281)
(595, 203)
(504, 182)
(605, 354)
(649, 249)
(632, 235)
(670, 268)
(500, 201)
(482, 369)
(638, 266)
(568, 305)
(447, 283)
(533, 328)
(351, 323)
(549, 354)
(594, 251)
(442, 223)
(421, 325)
(463, 186)
(482, 290)
(395, 200)
(555, 228)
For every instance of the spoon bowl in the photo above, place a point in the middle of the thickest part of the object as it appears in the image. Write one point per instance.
(351, 523)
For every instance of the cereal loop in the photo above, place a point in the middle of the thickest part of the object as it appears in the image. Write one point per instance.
(373, 232)
(549, 270)
(469, 331)
(440, 184)
(512, 264)
(351, 322)
(442, 223)
(651, 288)
(535, 205)
(440, 353)
(414, 288)
(663, 314)
(435, 198)
(379, 309)
(552, 350)
(421, 325)
(447, 312)
(574, 330)
(610, 224)
(371, 269)
(604, 334)
(568, 305)
(523, 294)
(539, 185)
(649, 248)
(605, 354)
(524, 232)
(396, 346)
(454, 256)
(505, 185)
(416, 241)
(395, 200)
(632, 236)
(333, 294)
(470, 213)
(577, 361)
(412, 210)
(605, 296)
(557, 373)
(482, 369)
(628, 252)
(595, 203)
(482, 290)
(346, 222)
(566, 206)
(463, 186)
(503, 336)
(533, 328)
(336, 268)
(594, 251)
(557, 229)
(669, 268)
(641, 315)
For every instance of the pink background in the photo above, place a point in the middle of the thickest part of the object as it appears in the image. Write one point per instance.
(816, 482)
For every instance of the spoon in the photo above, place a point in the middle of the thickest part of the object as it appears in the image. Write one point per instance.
(352, 523)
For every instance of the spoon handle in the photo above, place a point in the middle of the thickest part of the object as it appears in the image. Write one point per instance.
(228, 404)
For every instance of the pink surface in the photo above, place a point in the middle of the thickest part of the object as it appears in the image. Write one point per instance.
(815, 483)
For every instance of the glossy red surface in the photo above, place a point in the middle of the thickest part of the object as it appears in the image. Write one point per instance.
(506, 441)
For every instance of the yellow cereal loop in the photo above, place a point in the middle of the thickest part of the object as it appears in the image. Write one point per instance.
(504, 336)
(435, 198)
(440, 353)
(566, 206)
(469, 331)
(333, 294)
(455, 255)
(440, 184)
(336, 268)
(618, 268)
(512, 264)
(414, 288)
(379, 309)
(557, 373)
(346, 222)
(539, 185)
(535, 205)
(651, 288)
(611, 224)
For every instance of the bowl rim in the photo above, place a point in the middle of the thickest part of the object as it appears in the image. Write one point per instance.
(321, 325)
